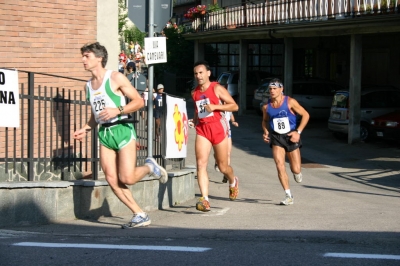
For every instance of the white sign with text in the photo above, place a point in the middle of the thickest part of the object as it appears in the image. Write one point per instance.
(9, 98)
(155, 50)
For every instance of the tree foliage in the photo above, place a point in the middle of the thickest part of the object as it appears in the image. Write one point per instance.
(180, 54)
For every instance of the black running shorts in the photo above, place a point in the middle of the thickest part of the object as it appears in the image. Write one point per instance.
(283, 140)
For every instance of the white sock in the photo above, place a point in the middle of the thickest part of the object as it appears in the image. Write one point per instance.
(141, 214)
(206, 198)
(287, 191)
(233, 184)
(151, 167)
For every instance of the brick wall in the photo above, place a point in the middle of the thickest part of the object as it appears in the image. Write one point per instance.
(45, 36)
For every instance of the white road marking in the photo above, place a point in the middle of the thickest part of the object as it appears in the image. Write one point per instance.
(216, 213)
(362, 256)
(103, 246)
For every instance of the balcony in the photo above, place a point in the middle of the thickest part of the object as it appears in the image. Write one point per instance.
(301, 15)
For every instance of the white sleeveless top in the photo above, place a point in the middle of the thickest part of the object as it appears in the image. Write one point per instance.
(104, 97)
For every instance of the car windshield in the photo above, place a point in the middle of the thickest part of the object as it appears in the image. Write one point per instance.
(223, 79)
(340, 100)
(263, 87)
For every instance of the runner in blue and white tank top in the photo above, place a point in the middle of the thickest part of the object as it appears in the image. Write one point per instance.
(281, 119)
(279, 126)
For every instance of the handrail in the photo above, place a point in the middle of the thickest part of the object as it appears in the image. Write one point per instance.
(291, 11)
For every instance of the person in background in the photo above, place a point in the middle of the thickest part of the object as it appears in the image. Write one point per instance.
(106, 92)
(123, 56)
(283, 135)
(230, 118)
(131, 47)
(138, 59)
(131, 72)
(158, 109)
(137, 46)
(121, 65)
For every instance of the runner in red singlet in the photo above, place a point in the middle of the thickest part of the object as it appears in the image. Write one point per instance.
(211, 131)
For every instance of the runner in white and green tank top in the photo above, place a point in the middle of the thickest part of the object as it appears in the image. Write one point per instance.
(111, 135)
(104, 97)
(106, 92)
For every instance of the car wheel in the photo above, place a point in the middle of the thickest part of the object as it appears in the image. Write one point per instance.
(365, 133)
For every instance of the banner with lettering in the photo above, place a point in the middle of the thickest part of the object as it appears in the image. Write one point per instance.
(9, 98)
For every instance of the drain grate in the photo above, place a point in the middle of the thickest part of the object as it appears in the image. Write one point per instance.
(305, 163)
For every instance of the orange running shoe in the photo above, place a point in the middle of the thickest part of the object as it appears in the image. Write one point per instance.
(203, 205)
(234, 191)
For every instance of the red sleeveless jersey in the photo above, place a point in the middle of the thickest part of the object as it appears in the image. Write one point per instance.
(206, 97)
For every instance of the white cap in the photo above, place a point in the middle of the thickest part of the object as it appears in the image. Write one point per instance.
(160, 86)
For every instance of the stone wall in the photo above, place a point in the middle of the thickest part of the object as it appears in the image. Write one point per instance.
(29, 203)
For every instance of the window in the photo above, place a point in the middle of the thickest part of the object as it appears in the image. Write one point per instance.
(267, 57)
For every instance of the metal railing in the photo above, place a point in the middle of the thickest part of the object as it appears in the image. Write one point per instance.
(292, 11)
(42, 148)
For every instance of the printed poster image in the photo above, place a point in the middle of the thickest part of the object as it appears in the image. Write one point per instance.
(177, 128)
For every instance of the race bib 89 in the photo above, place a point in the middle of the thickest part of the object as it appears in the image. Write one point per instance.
(281, 125)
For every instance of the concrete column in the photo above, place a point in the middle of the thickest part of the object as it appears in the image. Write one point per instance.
(288, 67)
(355, 88)
(243, 49)
(198, 51)
(107, 31)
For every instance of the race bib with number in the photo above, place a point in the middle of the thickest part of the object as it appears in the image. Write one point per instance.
(98, 105)
(281, 125)
(201, 110)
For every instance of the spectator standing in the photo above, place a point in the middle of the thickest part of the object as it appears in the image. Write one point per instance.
(144, 57)
(123, 56)
(158, 109)
(138, 59)
(117, 135)
(131, 47)
(130, 72)
(137, 46)
(121, 65)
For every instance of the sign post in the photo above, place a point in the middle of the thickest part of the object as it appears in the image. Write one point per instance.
(156, 52)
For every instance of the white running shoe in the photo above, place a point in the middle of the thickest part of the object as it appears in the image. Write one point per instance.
(288, 200)
(156, 170)
(138, 221)
(216, 167)
(298, 177)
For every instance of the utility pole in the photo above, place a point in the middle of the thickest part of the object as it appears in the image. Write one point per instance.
(151, 85)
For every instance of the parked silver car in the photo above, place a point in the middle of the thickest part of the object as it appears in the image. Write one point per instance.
(315, 95)
(375, 101)
(230, 80)
(261, 92)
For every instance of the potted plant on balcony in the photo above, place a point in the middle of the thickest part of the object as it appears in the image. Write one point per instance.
(213, 8)
(195, 12)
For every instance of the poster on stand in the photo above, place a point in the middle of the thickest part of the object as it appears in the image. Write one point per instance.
(176, 128)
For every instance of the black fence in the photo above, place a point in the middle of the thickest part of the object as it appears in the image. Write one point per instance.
(42, 148)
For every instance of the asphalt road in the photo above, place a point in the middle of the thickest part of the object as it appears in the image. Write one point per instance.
(346, 212)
